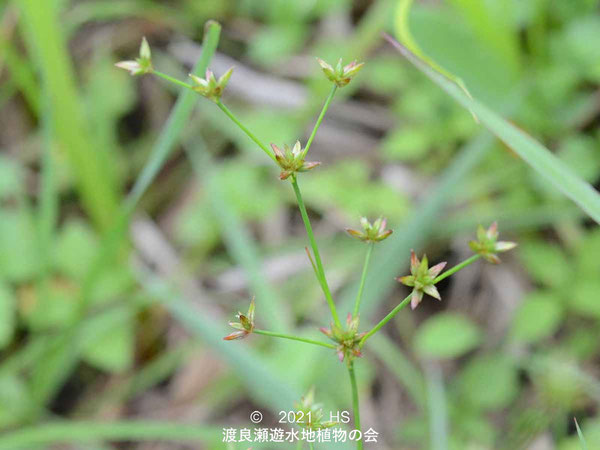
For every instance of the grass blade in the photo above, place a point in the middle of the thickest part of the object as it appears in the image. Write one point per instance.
(83, 431)
(580, 435)
(91, 165)
(531, 151)
(254, 371)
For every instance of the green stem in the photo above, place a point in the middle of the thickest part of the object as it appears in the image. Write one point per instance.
(171, 79)
(311, 446)
(355, 403)
(293, 338)
(313, 243)
(235, 120)
(456, 268)
(320, 119)
(363, 278)
(385, 320)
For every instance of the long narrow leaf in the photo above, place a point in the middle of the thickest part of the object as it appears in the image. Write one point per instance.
(80, 432)
(531, 151)
(90, 165)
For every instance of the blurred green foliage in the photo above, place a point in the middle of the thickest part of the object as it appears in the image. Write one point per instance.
(77, 132)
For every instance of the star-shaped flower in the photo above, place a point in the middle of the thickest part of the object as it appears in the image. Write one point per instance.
(245, 326)
(140, 65)
(487, 244)
(291, 160)
(209, 86)
(340, 75)
(421, 279)
(374, 232)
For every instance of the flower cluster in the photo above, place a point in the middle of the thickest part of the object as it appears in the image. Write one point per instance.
(244, 327)
(374, 232)
(291, 160)
(487, 244)
(210, 87)
(310, 414)
(141, 65)
(348, 340)
(421, 279)
(340, 75)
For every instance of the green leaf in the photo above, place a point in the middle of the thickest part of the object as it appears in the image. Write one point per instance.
(7, 315)
(54, 306)
(584, 299)
(112, 350)
(18, 253)
(489, 382)
(546, 263)
(532, 152)
(11, 177)
(76, 246)
(446, 335)
(537, 317)
(407, 144)
(14, 400)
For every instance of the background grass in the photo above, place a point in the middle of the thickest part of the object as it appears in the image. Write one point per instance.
(135, 221)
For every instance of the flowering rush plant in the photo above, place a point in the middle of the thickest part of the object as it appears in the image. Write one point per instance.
(345, 340)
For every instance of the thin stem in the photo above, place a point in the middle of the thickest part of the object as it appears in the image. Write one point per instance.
(355, 403)
(311, 446)
(456, 268)
(171, 79)
(385, 320)
(320, 119)
(363, 278)
(293, 338)
(313, 243)
(235, 120)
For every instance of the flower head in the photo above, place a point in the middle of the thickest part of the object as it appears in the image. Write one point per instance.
(340, 75)
(487, 244)
(141, 65)
(292, 160)
(209, 86)
(310, 414)
(348, 340)
(244, 327)
(374, 232)
(421, 279)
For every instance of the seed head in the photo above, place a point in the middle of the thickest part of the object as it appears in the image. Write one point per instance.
(310, 414)
(340, 75)
(291, 160)
(141, 65)
(487, 244)
(421, 279)
(375, 232)
(209, 86)
(245, 326)
(348, 340)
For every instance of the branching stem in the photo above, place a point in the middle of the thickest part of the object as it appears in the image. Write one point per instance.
(313, 244)
(320, 119)
(406, 301)
(235, 120)
(293, 338)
